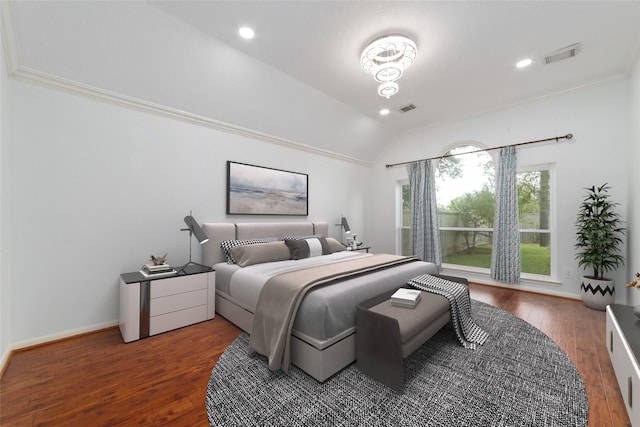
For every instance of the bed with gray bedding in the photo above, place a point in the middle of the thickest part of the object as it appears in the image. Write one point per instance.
(322, 338)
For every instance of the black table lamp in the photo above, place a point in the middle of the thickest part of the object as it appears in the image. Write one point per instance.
(344, 228)
(194, 230)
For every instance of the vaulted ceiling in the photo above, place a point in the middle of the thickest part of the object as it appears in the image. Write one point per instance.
(305, 56)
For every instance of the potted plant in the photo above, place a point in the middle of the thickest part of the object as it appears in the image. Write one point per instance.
(599, 238)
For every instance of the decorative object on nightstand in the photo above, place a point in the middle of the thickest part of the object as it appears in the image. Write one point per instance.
(157, 268)
(355, 245)
(635, 283)
(344, 228)
(159, 260)
(194, 230)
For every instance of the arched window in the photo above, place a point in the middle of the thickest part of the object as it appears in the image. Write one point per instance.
(465, 191)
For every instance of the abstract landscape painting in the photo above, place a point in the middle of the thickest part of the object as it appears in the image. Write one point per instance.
(257, 190)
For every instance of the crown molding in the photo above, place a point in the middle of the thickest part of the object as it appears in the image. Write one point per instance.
(8, 37)
(19, 72)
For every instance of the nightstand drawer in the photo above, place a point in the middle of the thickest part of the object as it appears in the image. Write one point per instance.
(177, 302)
(176, 285)
(177, 319)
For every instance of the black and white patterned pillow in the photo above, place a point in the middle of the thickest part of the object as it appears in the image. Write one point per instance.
(226, 246)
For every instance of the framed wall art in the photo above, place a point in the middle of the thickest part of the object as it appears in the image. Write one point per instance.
(258, 190)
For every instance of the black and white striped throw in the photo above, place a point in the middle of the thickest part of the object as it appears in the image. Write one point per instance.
(468, 332)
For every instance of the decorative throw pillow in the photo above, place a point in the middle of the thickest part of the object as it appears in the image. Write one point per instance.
(226, 246)
(335, 246)
(305, 248)
(259, 253)
(301, 237)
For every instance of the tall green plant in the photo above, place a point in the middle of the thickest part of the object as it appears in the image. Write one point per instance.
(599, 233)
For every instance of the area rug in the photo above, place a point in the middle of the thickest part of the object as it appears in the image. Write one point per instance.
(519, 377)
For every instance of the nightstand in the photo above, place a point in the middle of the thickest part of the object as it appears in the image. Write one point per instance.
(150, 305)
(362, 248)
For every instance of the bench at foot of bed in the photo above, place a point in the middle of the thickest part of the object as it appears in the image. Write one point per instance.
(387, 334)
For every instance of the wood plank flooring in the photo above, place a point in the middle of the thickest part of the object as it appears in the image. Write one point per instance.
(97, 380)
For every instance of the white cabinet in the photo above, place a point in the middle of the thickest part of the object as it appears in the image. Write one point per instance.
(623, 345)
(152, 306)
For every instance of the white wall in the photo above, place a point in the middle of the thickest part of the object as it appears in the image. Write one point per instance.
(634, 184)
(5, 306)
(597, 116)
(95, 188)
(137, 49)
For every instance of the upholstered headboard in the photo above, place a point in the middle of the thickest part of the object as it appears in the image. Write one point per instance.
(221, 231)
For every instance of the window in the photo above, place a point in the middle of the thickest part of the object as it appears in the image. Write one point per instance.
(465, 190)
(405, 219)
(534, 205)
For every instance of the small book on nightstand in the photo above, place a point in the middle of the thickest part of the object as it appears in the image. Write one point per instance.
(165, 273)
(405, 298)
(152, 268)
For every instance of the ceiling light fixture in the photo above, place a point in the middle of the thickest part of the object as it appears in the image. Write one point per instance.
(386, 59)
(524, 63)
(246, 33)
(384, 112)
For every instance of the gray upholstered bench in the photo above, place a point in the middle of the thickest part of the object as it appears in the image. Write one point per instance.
(387, 334)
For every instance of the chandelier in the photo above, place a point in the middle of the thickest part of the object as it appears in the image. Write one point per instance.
(386, 58)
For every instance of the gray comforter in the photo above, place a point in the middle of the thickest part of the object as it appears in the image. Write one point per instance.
(281, 296)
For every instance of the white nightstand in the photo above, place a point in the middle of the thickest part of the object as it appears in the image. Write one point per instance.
(623, 344)
(150, 306)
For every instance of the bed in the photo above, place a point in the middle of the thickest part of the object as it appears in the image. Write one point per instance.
(322, 339)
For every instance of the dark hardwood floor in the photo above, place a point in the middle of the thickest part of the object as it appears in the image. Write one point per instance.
(97, 380)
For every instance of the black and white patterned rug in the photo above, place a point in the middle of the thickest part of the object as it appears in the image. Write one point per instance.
(519, 377)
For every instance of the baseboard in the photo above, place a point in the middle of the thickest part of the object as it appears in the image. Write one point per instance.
(50, 339)
(5, 360)
(531, 290)
(526, 285)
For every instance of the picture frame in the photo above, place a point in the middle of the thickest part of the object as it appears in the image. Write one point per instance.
(259, 190)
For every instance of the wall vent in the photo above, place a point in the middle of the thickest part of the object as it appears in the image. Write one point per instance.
(560, 54)
(407, 108)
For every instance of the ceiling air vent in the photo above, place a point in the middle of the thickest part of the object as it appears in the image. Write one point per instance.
(560, 54)
(407, 108)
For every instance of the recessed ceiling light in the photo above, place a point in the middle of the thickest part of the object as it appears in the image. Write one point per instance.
(246, 33)
(384, 111)
(524, 63)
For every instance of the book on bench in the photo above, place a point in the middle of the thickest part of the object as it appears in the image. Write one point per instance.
(405, 298)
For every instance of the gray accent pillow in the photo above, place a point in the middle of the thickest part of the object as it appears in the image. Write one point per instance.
(259, 253)
(226, 246)
(335, 246)
(306, 248)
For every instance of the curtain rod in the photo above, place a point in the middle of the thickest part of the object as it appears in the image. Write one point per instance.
(556, 139)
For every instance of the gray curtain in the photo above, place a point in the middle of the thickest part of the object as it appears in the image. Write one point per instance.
(425, 233)
(505, 256)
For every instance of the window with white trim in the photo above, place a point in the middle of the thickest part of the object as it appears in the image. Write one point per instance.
(465, 191)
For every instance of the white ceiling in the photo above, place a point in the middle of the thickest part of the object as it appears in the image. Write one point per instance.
(467, 50)
(300, 79)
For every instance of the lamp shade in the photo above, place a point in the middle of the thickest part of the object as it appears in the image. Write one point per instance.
(194, 227)
(345, 225)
